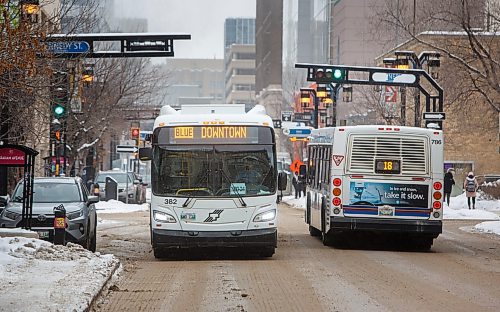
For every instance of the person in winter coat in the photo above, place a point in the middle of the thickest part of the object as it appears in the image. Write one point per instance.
(470, 187)
(448, 184)
(296, 185)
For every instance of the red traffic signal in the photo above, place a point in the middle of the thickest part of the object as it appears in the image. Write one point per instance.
(135, 133)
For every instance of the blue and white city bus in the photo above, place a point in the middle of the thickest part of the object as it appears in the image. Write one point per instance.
(377, 179)
(214, 179)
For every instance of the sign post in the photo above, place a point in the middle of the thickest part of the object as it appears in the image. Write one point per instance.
(434, 119)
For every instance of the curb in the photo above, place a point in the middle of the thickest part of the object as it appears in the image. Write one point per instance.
(104, 287)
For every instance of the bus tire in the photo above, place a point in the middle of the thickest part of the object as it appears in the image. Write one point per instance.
(314, 231)
(424, 243)
(159, 253)
(267, 252)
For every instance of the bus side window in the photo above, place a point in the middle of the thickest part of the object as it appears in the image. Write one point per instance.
(328, 162)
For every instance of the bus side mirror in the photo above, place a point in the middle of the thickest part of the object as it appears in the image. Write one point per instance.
(302, 170)
(145, 153)
(282, 181)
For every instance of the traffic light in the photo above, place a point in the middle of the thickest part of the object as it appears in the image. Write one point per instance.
(59, 94)
(135, 133)
(58, 110)
(57, 132)
(329, 75)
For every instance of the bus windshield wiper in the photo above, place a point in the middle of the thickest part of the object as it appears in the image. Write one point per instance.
(234, 189)
(196, 185)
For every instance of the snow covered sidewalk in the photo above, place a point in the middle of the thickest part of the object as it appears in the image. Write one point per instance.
(36, 275)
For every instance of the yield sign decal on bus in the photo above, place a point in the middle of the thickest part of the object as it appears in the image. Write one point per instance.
(338, 159)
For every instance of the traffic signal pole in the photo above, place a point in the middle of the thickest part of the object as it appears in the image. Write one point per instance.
(382, 76)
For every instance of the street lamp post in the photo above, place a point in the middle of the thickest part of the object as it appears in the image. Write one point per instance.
(306, 92)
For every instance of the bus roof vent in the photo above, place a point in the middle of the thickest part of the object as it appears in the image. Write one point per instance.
(168, 110)
(258, 109)
(197, 109)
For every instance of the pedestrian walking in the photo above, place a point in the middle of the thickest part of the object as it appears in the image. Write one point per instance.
(302, 185)
(470, 187)
(296, 186)
(448, 184)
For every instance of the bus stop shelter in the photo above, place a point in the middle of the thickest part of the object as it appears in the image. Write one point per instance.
(21, 156)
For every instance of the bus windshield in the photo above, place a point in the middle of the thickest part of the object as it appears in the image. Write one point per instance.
(213, 170)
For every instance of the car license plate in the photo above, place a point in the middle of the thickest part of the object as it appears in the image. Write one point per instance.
(43, 234)
(386, 211)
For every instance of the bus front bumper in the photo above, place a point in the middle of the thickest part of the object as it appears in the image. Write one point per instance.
(249, 238)
(432, 228)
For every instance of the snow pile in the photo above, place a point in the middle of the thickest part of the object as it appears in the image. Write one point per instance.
(485, 209)
(298, 203)
(36, 273)
(488, 227)
(115, 206)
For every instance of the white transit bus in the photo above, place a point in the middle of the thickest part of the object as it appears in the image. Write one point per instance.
(375, 179)
(214, 179)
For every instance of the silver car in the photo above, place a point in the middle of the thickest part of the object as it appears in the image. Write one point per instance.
(136, 188)
(49, 193)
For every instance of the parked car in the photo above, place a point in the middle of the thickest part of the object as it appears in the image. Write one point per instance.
(47, 194)
(3, 202)
(136, 188)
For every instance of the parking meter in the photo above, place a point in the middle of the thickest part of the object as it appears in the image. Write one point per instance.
(60, 225)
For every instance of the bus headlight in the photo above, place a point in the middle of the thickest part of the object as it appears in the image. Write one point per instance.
(265, 216)
(163, 217)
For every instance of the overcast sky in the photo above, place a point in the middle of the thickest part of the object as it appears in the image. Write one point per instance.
(203, 19)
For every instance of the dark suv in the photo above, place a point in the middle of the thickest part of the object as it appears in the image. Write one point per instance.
(49, 193)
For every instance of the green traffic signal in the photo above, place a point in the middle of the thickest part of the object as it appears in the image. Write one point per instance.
(328, 75)
(337, 74)
(58, 110)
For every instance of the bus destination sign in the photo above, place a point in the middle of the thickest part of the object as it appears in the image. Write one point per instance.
(224, 132)
(214, 135)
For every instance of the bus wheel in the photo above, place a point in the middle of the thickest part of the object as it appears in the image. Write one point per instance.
(424, 243)
(325, 239)
(314, 231)
(267, 252)
(159, 253)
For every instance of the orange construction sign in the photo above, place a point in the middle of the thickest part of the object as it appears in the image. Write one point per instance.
(296, 165)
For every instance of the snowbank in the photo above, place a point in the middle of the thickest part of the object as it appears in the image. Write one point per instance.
(115, 206)
(39, 276)
(488, 227)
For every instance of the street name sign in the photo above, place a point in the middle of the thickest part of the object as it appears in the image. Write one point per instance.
(300, 132)
(59, 47)
(434, 116)
(126, 149)
(286, 116)
(394, 77)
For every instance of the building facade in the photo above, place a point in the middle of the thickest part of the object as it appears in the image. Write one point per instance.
(193, 80)
(240, 75)
(239, 61)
